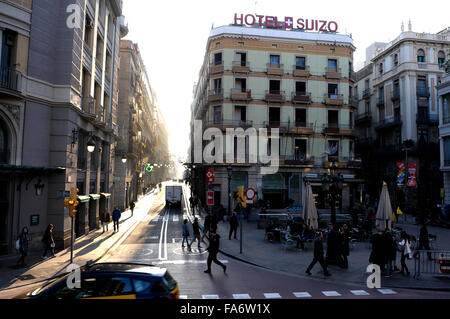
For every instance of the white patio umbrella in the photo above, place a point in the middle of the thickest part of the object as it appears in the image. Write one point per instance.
(384, 211)
(310, 211)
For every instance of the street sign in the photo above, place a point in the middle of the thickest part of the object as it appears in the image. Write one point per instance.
(210, 176)
(250, 193)
(210, 198)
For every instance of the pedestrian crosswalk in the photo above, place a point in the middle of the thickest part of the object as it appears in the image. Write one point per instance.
(302, 294)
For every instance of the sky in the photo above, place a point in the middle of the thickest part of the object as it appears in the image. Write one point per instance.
(172, 37)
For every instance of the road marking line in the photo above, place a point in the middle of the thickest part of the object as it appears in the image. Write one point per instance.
(331, 293)
(387, 291)
(183, 297)
(241, 296)
(302, 295)
(359, 292)
(272, 295)
(160, 262)
(155, 220)
(210, 297)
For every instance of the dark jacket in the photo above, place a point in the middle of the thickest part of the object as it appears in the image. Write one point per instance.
(48, 238)
(116, 214)
(23, 240)
(105, 217)
(378, 255)
(423, 237)
(207, 223)
(234, 221)
(318, 248)
(196, 228)
(214, 242)
(345, 243)
(132, 205)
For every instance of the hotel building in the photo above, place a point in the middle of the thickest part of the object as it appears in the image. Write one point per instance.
(298, 82)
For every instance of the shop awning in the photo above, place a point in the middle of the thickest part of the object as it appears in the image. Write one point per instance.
(84, 199)
(95, 196)
(107, 195)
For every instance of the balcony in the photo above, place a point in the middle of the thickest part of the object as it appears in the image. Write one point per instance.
(333, 73)
(223, 124)
(241, 95)
(331, 128)
(301, 128)
(88, 106)
(363, 118)
(334, 99)
(395, 97)
(389, 123)
(298, 72)
(366, 94)
(422, 102)
(380, 102)
(299, 159)
(275, 96)
(215, 95)
(275, 69)
(282, 126)
(100, 115)
(301, 98)
(423, 92)
(426, 118)
(10, 79)
(241, 67)
(352, 76)
(216, 68)
(353, 101)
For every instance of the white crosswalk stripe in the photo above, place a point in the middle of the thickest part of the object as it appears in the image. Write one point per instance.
(175, 218)
(272, 295)
(387, 291)
(302, 294)
(183, 297)
(331, 293)
(210, 297)
(155, 220)
(241, 296)
(359, 292)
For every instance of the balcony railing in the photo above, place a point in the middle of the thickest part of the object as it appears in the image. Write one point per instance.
(364, 117)
(301, 97)
(395, 96)
(427, 118)
(215, 95)
(283, 126)
(353, 101)
(422, 102)
(10, 79)
(333, 73)
(298, 159)
(380, 101)
(388, 123)
(89, 105)
(275, 96)
(216, 68)
(233, 123)
(334, 99)
(301, 72)
(275, 69)
(423, 92)
(239, 94)
(366, 94)
(241, 66)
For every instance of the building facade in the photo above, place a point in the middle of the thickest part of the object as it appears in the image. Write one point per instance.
(143, 133)
(58, 90)
(398, 117)
(297, 82)
(443, 92)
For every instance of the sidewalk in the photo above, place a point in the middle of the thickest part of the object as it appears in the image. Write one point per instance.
(92, 246)
(256, 250)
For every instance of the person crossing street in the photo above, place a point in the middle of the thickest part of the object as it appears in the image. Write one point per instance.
(196, 230)
(213, 249)
(318, 256)
(233, 225)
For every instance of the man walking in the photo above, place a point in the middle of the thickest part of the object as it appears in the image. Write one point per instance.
(206, 225)
(424, 241)
(105, 218)
(132, 205)
(213, 249)
(233, 226)
(332, 246)
(196, 230)
(116, 217)
(318, 256)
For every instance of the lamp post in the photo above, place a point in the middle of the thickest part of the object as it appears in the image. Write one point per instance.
(406, 147)
(230, 174)
(91, 145)
(333, 184)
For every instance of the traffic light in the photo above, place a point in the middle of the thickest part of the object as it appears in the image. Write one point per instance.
(72, 203)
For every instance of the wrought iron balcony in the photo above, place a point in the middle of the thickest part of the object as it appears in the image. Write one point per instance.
(88, 105)
(426, 118)
(301, 72)
(216, 68)
(423, 92)
(389, 123)
(241, 66)
(215, 95)
(363, 118)
(10, 79)
(334, 99)
(282, 126)
(230, 123)
(275, 96)
(333, 73)
(353, 101)
(367, 93)
(275, 69)
(380, 101)
(301, 97)
(238, 94)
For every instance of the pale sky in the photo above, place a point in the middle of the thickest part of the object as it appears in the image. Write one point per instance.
(172, 37)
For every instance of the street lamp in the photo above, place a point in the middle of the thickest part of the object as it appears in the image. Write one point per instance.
(230, 174)
(91, 145)
(124, 159)
(39, 187)
(333, 184)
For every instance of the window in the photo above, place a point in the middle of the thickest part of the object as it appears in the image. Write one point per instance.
(88, 29)
(242, 58)
(380, 69)
(332, 91)
(420, 55)
(368, 107)
(395, 60)
(300, 63)
(274, 116)
(274, 86)
(217, 114)
(422, 135)
(300, 88)
(240, 113)
(422, 86)
(158, 287)
(333, 150)
(381, 94)
(441, 58)
(274, 60)
(351, 119)
(333, 118)
(274, 46)
(446, 108)
(3, 144)
(217, 86)
(141, 286)
(300, 149)
(332, 65)
(367, 85)
(300, 117)
(351, 152)
(218, 58)
(447, 151)
(241, 85)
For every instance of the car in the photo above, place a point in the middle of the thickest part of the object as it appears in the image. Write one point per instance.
(111, 281)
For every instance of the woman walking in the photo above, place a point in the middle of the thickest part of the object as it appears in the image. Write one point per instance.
(405, 249)
(49, 241)
(185, 234)
(23, 246)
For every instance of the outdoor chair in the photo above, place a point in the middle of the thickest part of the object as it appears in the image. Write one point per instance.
(287, 243)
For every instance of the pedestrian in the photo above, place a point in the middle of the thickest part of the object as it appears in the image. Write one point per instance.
(105, 218)
(185, 234)
(191, 204)
(306, 234)
(196, 231)
(214, 222)
(49, 241)
(390, 251)
(424, 241)
(206, 225)
(23, 238)
(318, 256)
(132, 206)
(213, 250)
(405, 249)
(332, 246)
(116, 214)
(234, 223)
(378, 254)
(345, 245)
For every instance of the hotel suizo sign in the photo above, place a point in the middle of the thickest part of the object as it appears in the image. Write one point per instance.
(286, 23)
